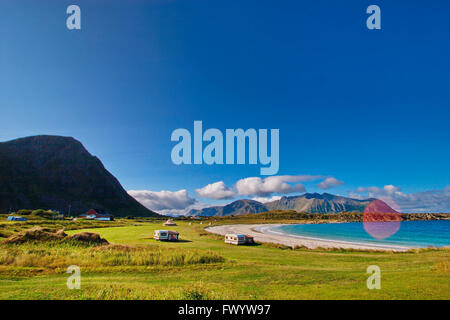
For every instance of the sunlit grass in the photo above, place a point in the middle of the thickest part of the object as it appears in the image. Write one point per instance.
(202, 266)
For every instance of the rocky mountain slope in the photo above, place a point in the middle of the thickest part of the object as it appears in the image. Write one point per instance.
(53, 172)
(319, 203)
(235, 208)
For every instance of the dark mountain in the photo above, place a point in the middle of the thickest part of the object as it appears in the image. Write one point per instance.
(207, 212)
(52, 172)
(308, 202)
(235, 208)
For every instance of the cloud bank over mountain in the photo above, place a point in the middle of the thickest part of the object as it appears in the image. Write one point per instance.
(217, 190)
(265, 200)
(329, 183)
(264, 187)
(426, 201)
(270, 189)
(262, 190)
(162, 200)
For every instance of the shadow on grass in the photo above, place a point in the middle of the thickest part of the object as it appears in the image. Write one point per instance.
(156, 241)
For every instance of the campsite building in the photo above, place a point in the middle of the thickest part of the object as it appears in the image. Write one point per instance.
(16, 218)
(169, 222)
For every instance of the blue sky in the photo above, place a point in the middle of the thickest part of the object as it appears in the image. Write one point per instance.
(370, 108)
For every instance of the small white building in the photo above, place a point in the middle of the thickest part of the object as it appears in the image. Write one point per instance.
(16, 218)
(169, 222)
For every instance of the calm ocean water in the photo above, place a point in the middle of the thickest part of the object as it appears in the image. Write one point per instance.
(411, 233)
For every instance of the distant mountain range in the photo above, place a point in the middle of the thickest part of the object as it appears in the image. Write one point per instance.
(53, 172)
(308, 202)
(235, 208)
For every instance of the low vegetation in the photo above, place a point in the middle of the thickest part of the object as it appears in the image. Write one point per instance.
(202, 266)
(291, 216)
(8, 228)
(55, 255)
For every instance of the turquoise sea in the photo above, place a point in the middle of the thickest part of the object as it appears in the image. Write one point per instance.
(411, 233)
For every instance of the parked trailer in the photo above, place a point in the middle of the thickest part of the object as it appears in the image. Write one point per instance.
(235, 239)
(249, 239)
(238, 239)
(165, 235)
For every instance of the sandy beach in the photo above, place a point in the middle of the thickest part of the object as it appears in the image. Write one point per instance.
(262, 233)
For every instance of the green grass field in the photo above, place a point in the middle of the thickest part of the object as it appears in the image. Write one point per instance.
(202, 266)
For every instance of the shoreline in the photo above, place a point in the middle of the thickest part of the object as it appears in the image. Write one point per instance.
(260, 234)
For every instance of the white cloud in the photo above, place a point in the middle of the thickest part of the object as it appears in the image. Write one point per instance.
(427, 201)
(217, 190)
(305, 177)
(163, 200)
(355, 195)
(388, 191)
(185, 211)
(265, 200)
(255, 186)
(329, 183)
(274, 184)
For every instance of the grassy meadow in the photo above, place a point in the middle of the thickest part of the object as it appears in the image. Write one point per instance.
(202, 266)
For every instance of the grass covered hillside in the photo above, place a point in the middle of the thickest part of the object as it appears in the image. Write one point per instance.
(202, 266)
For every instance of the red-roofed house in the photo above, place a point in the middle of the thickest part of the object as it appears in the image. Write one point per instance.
(97, 214)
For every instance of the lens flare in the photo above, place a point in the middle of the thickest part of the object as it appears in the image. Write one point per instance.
(380, 220)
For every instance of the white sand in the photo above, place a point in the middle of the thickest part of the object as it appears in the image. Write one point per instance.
(261, 233)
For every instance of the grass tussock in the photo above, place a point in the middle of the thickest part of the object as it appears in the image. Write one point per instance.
(322, 249)
(429, 249)
(5, 234)
(60, 254)
(443, 266)
(7, 228)
(276, 246)
(196, 292)
(111, 291)
(152, 256)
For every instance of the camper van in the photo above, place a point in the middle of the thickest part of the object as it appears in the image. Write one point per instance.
(236, 239)
(165, 235)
